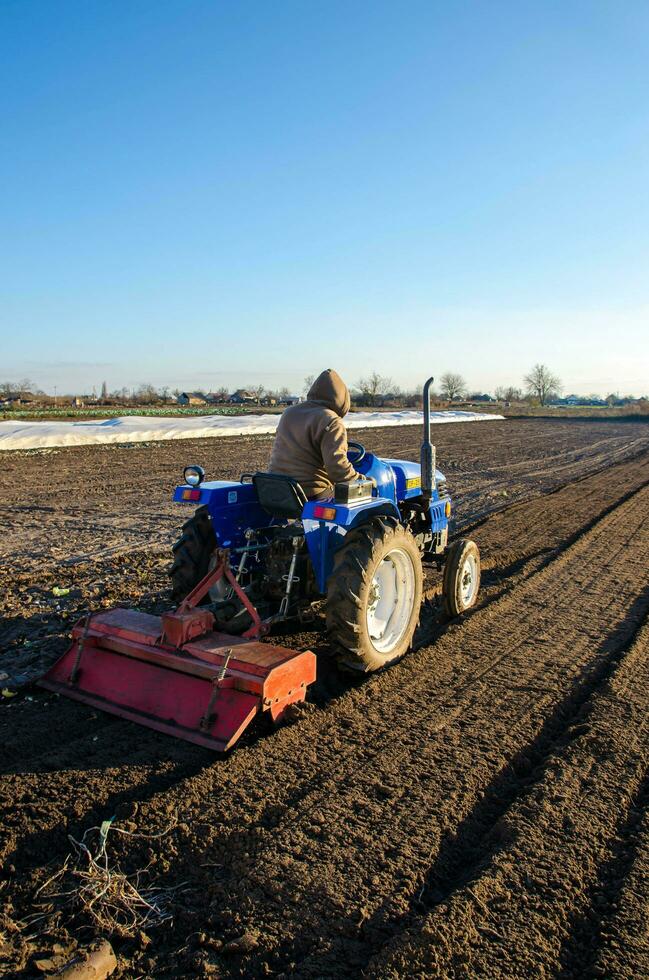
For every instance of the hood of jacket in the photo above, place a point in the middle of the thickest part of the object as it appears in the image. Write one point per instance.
(330, 390)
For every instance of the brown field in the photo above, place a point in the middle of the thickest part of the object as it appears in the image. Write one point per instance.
(481, 809)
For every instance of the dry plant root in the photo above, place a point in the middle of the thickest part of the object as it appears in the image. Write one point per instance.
(116, 903)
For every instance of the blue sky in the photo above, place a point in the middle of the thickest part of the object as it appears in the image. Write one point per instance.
(195, 193)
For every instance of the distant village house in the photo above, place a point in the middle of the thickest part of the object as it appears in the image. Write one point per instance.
(192, 398)
(243, 397)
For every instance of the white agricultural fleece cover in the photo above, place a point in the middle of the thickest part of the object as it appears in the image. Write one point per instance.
(139, 428)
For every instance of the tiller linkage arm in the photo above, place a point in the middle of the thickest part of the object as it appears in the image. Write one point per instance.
(189, 620)
(176, 674)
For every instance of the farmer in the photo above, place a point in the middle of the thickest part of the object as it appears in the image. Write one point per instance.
(311, 440)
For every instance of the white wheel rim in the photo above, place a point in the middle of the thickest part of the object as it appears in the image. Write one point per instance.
(468, 580)
(391, 597)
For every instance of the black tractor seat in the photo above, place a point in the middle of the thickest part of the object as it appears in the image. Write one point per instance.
(279, 495)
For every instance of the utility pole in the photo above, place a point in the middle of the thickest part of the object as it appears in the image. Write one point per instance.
(54, 396)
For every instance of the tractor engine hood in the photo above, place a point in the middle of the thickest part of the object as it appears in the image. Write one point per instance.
(408, 477)
(396, 479)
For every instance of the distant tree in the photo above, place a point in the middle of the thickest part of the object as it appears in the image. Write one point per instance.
(396, 395)
(104, 391)
(542, 384)
(501, 393)
(508, 393)
(23, 387)
(222, 394)
(308, 381)
(413, 399)
(145, 394)
(452, 385)
(258, 391)
(284, 394)
(372, 387)
(164, 393)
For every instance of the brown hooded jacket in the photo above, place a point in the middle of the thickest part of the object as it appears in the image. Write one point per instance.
(311, 440)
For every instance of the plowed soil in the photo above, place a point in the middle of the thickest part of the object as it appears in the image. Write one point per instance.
(478, 810)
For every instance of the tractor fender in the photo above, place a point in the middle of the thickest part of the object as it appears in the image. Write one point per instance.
(378, 508)
(324, 537)
(347, 516)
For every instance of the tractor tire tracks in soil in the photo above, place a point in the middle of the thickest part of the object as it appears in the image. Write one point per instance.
(533, 894)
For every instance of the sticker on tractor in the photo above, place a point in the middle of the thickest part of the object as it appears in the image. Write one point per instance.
(413, 483)
(232, 496)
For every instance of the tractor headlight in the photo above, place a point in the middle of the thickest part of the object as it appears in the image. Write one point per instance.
(194, 475)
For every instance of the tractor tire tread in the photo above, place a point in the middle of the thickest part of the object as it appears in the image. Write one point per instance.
(454, 559)
(191, 553)
(344, 608)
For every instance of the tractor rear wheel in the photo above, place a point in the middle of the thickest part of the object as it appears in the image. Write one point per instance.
(374, 595)
(461, 582)
(192, 553)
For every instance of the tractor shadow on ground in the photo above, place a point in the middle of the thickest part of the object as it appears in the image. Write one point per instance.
(30, 644)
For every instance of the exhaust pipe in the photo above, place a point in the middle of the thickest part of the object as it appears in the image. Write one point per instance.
(427, 449)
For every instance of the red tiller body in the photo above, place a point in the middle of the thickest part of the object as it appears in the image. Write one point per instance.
(175, 674)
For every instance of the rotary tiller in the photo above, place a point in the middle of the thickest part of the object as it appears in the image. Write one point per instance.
(179, 675)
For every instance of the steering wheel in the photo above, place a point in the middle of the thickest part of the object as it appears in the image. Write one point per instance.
(356, 452)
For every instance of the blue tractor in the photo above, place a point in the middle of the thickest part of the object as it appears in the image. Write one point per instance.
(360, 554)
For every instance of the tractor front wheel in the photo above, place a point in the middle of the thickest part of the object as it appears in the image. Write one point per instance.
(461, 577)
(374, 595)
